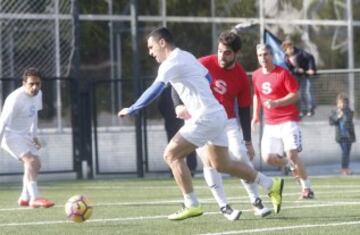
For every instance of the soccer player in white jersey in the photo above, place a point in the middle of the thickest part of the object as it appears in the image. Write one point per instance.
(206, 126)
(18, 135)
(231, 87)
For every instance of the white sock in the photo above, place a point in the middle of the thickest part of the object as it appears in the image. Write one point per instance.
(190, 200)
(305, 183)
(33, 190)
(24, 193)
(214, 180)
(264, 181)
(252, 190)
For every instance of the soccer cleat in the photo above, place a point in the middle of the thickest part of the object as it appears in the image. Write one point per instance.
(230, 213)
(186, 213)
(275, 193)
(307, 194)
(41, 202)
(259, 209)
(23, 202)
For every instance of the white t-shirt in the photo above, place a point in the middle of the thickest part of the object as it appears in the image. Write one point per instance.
(19, 113)
(187, 75)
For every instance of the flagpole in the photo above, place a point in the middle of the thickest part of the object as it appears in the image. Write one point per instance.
(262, 20)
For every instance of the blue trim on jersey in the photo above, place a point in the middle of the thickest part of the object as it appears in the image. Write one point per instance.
(208, 77)
(147, 97)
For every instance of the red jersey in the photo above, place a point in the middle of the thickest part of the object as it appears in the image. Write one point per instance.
(277, 84)
(228, 85)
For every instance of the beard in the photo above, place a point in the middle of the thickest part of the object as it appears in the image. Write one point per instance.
(227, 64)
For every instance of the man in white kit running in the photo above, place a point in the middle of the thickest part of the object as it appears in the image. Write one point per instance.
(231, 87)
(206, 126)
(18, 135)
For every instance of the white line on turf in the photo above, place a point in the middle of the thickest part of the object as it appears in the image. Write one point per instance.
(330, 204)
(259, 230)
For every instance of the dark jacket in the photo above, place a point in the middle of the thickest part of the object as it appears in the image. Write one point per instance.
(303, 60)
(344, 126)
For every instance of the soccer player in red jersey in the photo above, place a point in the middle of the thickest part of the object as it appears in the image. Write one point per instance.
(231, 87)
(276, 90)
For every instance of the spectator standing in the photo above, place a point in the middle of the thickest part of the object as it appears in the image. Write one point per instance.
(302, 65)
(342, 119)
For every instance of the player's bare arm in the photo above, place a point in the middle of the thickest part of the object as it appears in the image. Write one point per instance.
(256, 110)
(286, 100)
(250, 150)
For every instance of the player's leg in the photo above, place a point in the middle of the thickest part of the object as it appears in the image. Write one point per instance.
(292, 140)
(237, 150)
(32, 167)
(15, 146)
(214, 180)
(190, 136)
(272, 149)
(24, 196)
(21, 148)
(174, 155)
(219, 158)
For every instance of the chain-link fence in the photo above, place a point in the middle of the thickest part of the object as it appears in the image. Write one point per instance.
(40, 33)
(35, 33)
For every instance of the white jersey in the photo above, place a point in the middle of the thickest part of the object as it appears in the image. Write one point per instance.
(19, 113)
(187, 75)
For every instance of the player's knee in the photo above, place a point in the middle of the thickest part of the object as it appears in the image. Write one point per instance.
(169, 157)
(34, 164)
(275, 160)
(220, 166)
(293, 156)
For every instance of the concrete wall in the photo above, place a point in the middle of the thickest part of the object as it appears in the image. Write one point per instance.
(319, 147)
(117, 149)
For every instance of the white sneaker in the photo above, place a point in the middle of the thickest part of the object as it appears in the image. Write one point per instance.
(259, 209)
(230, 213)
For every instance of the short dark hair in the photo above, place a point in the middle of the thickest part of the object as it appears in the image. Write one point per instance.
(231, 40)
(161, 33)
(32, 71)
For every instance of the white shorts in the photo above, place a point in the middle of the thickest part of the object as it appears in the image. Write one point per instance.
(281, 138)
(18, 145)
(237, 148)
(206, 130)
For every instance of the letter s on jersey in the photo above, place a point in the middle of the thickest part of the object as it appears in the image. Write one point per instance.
(220, 87)
(266, 88)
